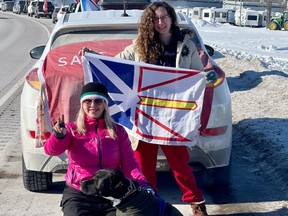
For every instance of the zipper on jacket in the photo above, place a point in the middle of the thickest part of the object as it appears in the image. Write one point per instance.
(73, 172)
(99, 145)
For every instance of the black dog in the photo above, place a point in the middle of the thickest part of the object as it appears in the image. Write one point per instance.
(128, 197)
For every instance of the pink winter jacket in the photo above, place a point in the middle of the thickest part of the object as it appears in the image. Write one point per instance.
(97, 149)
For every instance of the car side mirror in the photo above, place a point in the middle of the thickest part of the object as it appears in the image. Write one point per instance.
(36, 52)
(210, 50)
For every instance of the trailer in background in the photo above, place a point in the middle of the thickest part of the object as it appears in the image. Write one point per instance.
(208, 14)
(224, 15)
(219, 15)
(196, 13)
(250, 18)
(183, 10)
(243, 17)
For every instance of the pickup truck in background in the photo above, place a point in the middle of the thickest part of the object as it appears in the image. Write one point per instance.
(35, 9)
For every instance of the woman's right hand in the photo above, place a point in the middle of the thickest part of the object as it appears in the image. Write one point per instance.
(59, 128)
(84, 50)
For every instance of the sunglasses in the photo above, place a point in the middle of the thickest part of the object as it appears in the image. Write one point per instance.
(96, 101)
(163, 18)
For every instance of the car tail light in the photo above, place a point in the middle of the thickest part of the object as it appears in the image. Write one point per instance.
(221, 76)
(44, 135)
(214, 131)
(33, 80)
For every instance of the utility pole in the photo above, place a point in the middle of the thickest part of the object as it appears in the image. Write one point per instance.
(269, 10)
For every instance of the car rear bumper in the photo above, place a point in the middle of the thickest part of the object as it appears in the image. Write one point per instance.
(210, 152)
(39, 161)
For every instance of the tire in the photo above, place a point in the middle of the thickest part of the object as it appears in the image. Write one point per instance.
(212, 178)
(285, 26)
(210, 50)
(36, 181)
(273, 26)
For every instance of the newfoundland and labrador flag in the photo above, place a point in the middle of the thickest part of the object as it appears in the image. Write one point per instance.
(156, 104)
(89, 5)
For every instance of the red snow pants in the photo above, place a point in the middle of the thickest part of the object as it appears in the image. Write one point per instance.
(177, 157)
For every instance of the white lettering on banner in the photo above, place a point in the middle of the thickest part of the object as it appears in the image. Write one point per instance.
(76, 60)
(63, 61)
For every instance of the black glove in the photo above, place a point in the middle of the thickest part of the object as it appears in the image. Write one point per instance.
(146, 186)
(211, 76)
(59, 128)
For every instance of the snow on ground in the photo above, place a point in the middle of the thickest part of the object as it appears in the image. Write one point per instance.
(270, 47)
(255, 61)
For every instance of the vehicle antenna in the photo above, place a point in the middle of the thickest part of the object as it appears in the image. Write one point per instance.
(124, 6)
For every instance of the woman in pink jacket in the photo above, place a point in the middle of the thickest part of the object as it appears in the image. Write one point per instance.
(93, 142)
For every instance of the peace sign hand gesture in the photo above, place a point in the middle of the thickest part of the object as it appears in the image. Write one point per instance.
(59, 128)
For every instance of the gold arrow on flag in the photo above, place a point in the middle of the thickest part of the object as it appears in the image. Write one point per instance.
(165, 103)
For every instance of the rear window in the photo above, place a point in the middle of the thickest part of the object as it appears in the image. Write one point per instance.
(99, 35)
(65, 9)
(9, 3)
(42, 3)
(96, 35)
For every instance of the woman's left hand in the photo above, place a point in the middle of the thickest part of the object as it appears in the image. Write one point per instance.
(211, 76)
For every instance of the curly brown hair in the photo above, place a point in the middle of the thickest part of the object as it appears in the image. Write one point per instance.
(148, 44)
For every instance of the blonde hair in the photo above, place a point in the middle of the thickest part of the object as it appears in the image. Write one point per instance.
(110, 124)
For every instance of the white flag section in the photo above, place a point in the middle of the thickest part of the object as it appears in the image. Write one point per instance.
(159, 105)
(89, 5)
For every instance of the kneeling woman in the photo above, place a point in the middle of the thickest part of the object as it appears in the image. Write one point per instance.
(93, 142)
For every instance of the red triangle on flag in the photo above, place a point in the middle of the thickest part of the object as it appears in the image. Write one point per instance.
(173, 135)
(165, 77)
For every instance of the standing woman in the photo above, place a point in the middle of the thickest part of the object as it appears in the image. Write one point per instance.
(161, 42)
(93, 142)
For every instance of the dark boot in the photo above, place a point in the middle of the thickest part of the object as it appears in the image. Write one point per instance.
(199, 209)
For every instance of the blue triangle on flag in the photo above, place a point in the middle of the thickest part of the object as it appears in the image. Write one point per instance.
(124, 72)
(123, 119)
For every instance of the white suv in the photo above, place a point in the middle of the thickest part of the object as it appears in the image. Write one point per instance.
(108, 32)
